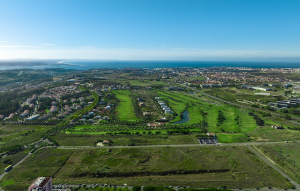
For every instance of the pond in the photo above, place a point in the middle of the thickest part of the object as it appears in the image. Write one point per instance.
(184, 119)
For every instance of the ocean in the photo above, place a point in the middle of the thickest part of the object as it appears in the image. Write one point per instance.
(85, 65)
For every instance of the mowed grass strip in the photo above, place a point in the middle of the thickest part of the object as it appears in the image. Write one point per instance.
(125, 110)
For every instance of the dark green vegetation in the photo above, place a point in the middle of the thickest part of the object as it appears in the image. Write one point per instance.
(195, 167)
(9, 101)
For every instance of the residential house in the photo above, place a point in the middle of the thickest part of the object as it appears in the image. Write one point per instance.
(26, 112)
(53, 109)
(142, 104)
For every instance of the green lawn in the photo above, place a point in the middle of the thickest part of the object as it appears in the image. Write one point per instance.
(125, 110)
(232, 138)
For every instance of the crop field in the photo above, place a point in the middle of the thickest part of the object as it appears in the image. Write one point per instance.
(125, 110)
(287, 156)
(196, 167)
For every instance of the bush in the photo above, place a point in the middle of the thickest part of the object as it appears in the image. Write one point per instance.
(7, 161)
(136, 188)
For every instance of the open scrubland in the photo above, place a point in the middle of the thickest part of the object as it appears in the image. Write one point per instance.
(124, 140)
(12, 135)
(286, 156)
(197, 167)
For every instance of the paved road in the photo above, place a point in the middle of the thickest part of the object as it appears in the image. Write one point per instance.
(181, 145)
(268, 161)
(14, 166)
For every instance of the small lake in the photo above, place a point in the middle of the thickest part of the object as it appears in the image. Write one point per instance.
(185, 118)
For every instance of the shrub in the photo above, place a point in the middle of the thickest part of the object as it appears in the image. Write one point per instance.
(136, 188)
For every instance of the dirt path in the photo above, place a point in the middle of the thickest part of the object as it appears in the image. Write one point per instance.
(268, 161)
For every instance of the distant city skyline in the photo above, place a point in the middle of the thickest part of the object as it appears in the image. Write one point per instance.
(151, 30)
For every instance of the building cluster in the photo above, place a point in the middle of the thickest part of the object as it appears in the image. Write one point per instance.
(282, 70)
(286, 103)
(41, 184)
(32, 99)
(57, 92)
(163, 106)
(249, 87)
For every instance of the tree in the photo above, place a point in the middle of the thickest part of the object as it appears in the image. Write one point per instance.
(287, 116)
(136, 188)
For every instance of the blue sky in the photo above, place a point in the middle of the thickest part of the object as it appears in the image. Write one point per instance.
(149, 29)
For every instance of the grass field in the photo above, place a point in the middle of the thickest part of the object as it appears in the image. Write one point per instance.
(287, 156)
(267, 133)
(14, 159)
(21, 134)
(232, 138)
(46, 162)
(148, 166)
(125, 110)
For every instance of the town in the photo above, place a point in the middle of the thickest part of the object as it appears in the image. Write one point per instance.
(71, 120)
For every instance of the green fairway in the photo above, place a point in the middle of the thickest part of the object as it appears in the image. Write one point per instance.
(236, 120)
(125, 110)
(232, 138)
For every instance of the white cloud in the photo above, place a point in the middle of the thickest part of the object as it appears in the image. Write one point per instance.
(20, 46)
(46, 44)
